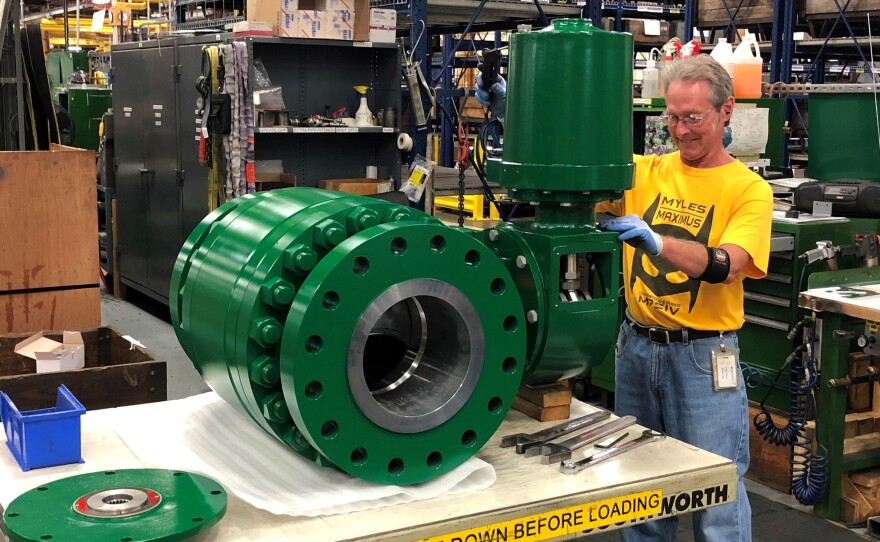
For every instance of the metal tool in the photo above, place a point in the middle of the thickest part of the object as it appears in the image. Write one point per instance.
(611, 442)
(573, 467)
(552, 453)
(524, 441)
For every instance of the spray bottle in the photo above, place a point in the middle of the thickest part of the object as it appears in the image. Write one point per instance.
(363, 117)
(670, 51)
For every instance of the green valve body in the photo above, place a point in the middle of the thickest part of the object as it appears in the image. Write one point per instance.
(567, 146)
(569, 103)
(370, 336)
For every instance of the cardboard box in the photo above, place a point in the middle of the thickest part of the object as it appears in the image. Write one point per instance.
(262, 10)
(270, 181)
(52, 356)
(363, 187)
(338, 25)
(335, 5)
(383, 25)
(267, 11)
(300, 24)
(243, 29)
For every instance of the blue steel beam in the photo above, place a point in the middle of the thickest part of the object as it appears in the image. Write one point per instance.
(689, 7)
(595, 12)
(419, 25)
(447, 128)
(732, 23)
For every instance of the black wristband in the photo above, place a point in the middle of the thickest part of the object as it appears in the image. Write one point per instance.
(718, 267)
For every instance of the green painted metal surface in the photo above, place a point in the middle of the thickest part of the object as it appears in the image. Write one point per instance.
(87, 107)
(568, 125)
(59, 66)
(568, 337)
(357, 332)
(843, 137)
(177, 506)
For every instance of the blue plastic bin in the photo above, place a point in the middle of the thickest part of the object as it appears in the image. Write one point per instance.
(46, 437)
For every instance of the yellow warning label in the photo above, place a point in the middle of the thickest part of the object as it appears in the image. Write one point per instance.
(564, 521)
(418, 175)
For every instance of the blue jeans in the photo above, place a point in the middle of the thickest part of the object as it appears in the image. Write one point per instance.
(669, 388)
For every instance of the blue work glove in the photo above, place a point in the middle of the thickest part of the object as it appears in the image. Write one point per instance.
(495, 98)
(634, 231)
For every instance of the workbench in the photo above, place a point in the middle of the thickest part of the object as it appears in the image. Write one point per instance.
(528, 501)
(837, 298)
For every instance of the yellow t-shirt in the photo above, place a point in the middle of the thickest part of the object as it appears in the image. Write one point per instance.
(714, 206)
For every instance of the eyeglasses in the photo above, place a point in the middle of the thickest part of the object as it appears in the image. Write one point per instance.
(691, 121)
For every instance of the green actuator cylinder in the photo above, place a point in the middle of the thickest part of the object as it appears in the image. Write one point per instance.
(569, 105)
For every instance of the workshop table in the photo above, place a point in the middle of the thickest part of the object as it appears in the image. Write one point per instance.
(528, 501)
(842, 295)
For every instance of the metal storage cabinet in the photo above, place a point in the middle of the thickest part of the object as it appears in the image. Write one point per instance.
(161, 188)
(128, 121)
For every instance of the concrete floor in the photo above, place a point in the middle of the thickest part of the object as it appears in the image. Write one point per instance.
(149, 322)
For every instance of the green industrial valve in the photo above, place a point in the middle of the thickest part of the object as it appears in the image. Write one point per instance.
(372, 337)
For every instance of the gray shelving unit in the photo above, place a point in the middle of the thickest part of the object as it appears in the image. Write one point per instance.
(313, 75)
(162, 190)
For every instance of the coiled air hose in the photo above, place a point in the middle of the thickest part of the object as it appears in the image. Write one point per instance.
(809, 470)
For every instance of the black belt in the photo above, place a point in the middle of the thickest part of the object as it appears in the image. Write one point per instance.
(662, 335)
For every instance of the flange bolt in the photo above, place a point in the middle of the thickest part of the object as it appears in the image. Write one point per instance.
(277, 292)
(300, 258)
(329, 233)
(274, 408)
(266, 331)
(264, 371)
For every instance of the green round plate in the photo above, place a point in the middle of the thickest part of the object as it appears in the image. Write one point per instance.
(136, 505)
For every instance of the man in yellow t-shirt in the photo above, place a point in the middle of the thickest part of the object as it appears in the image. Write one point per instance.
(695, 224)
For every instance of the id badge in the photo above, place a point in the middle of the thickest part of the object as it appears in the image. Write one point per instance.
(725, 368)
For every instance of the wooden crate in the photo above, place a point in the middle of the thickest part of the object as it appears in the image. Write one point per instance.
(49, 240)
(114, 374)
(636, 27)
(824, 9)
(712, 13)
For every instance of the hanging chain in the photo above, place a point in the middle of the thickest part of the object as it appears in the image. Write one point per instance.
(460, 195)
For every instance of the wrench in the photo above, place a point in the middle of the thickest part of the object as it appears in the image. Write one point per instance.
(573, 467)
(524, 441)
(553, 453)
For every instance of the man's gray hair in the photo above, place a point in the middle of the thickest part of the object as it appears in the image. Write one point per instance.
(701, 68)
